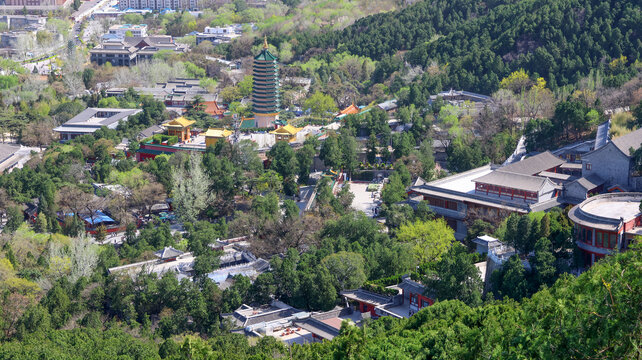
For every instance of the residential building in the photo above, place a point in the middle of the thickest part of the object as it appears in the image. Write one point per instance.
(92, 119)
(34, 4)
(121, 31)
(24, 22)
(266, 88)
(606, 223)
(218, 35)
(131, 50)
(158, 5)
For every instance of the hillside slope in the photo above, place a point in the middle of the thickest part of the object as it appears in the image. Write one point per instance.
(594, 316)
(483, 41)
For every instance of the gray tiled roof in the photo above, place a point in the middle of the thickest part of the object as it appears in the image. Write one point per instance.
(534, 164)
(414, 287)
(318, 328)
(628, 141)
(89, 113)
(512, 180)
(154, 129)
(366, 297)
(168, 252)
(590, 182)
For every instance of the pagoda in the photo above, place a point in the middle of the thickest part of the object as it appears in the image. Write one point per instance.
(265, 90)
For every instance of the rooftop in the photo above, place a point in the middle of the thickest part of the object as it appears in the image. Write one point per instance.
(366, 297)
(534, 164)
(605, 211)
(286, 130)
(179, 122)
(628, 141)
(92, 119)
(217, 133)
(512, 180)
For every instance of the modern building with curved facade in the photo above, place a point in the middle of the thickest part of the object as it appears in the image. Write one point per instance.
(606, 223)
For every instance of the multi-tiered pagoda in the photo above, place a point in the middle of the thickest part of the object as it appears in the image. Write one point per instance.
(265, 91)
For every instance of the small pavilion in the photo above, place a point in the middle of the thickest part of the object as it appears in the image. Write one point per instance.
(285, 133)
(179, 127)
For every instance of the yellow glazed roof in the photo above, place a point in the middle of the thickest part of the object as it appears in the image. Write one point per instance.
(286, 130)
(217, 133)
(179, 122)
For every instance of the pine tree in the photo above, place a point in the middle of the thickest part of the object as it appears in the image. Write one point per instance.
(101, 233)
(521, 236)
(545, 226)
(543, 262)
(40, 225)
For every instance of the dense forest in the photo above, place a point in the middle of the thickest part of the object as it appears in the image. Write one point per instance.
(594, 316)
(475, 44)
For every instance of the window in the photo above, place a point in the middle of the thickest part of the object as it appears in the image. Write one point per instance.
(451, 205)
(413, 299)
(613, 243)
(424, 303)
(598, 237)
(588, 166)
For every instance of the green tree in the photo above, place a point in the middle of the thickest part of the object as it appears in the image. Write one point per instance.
(101, 233)
(266, 207)
(349, 154)
(87, 77)
(191, 190)
(245, 86)
(282, 159)
(205, 263)
(371, 149)
(263, 288)
(456, 277)
(522, 238)
(637, 115)
(320, 104)
(290, 209)
(346, 268)
(393, 191)
(305, 159)
(14, 219)
(430, 240)
(330, 152)
(41, 223)
(543, 262)
(510, 281)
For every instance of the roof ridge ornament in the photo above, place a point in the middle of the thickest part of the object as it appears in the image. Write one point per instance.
(265, 43)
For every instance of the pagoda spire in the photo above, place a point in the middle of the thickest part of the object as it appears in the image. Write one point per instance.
(265, 44)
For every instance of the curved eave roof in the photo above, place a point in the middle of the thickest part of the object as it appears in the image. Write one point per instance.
(265, 55)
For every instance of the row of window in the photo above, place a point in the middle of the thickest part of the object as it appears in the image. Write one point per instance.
(603, 239)
(507, 191)
(446, 204)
